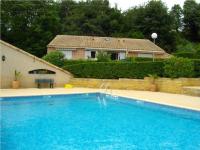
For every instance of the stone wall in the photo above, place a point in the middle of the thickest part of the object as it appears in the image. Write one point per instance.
(163, 84)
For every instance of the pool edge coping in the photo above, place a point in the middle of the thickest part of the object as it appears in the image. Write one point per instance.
(124, 96)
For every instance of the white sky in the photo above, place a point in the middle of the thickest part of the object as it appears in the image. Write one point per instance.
(126, 4)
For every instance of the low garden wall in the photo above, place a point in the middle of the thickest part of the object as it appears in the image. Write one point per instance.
(163, 84)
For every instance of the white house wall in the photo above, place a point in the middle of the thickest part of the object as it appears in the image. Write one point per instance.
(16, 60)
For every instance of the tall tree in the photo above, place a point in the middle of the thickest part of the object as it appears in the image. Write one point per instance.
(153, 17)
(191, 11)
(32, 24)
(90, 18)
(177, 16)
(29, 24)
(130, 26)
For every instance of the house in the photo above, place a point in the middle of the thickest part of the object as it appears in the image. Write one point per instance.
(30, 67)
(87, 47)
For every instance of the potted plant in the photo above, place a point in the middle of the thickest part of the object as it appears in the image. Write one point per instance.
(16, 83)
(153, 86)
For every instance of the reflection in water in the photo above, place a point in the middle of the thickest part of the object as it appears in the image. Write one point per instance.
(101, 99)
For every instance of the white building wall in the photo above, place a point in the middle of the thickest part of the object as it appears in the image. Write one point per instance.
(68, 54)
(16, 60)
(122, 55)
(1, 55)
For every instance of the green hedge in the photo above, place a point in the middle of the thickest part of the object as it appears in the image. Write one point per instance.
(55, 57)
(196, 67)
(74, 62)
(141, 59)
(178, 67)
(115, 70)
(124, 69)
(190, 55)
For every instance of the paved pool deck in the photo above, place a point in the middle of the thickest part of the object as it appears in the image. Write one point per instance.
(177, 100)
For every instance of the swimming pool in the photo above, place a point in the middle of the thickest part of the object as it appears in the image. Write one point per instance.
(95, 121)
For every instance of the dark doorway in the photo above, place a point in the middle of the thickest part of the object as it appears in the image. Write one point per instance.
(93, 54)
(114, 56)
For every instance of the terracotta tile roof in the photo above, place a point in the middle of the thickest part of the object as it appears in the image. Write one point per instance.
(71, 41)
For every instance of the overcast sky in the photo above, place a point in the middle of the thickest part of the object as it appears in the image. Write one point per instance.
(126, 4)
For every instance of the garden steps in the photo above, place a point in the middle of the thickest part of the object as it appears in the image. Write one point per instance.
(191, 90)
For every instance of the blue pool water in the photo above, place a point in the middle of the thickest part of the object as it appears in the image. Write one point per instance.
(95, 121)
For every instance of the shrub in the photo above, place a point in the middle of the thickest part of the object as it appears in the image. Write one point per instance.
(142, 59)
(178, 67)
(191, 55)
(188, 49)
(129, 59)
(17, 75)
(103, 57)
(56, 58)
(196, 67)
(115, 70)
(80, 61)
(153, 77)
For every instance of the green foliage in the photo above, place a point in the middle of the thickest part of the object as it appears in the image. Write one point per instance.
(129, 59)
(17, 75)
(32, 24)
(103, 57)
(152, 17)
(153, 77)
(115, 70)
(92, 17)
(188, 49)
(186, 46)
(141, 59)
(196, 67)
(136, 35)
(178, 67)
(173, 68)
(29, 25)
(56, 58)
(191, 20)
(185, 55)
(176, 13)
(74, 62)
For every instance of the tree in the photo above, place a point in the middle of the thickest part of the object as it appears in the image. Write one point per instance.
(32, 24)
(179, 67)
(177, 15)
(191, 11)
(57, 58)
(130, 26)
(152, 17)
(103, 56)
(92, 17)
(29, 25)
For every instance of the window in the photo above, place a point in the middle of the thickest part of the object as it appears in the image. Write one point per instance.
(93, 54)
(146, 55)
(87, 54)
(68, 54)
(114, 56)
(122, 55)
(41, 71)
